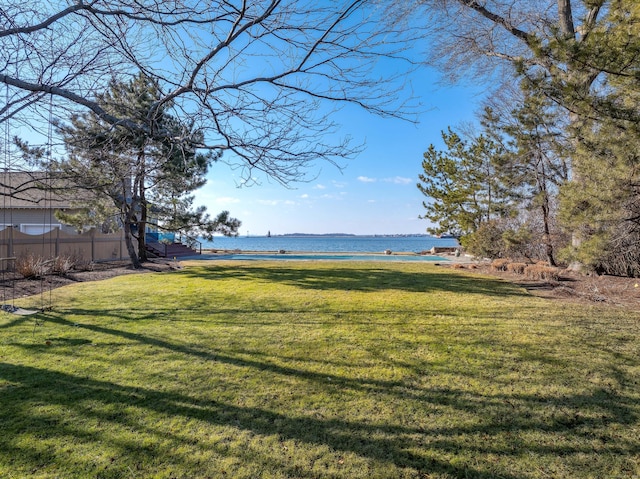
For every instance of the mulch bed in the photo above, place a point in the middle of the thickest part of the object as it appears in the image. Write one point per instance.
(13, 286)
(575, 287)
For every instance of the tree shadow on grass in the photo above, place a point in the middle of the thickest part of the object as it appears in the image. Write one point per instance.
(357, 278)
(427, 449)
(387, 443)
(11, 321)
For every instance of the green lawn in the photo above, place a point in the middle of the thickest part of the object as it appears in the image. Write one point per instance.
(317, 370)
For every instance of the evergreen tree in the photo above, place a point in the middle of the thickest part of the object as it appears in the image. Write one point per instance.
(90, 212)
(124, 165)
(583, 55)
(463, 185)
(605, 208)
(535, 166)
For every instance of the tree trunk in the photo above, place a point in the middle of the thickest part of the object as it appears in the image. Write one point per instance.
(565, 17)
(142, 242)
(576, 236)
(142, 223)
(546, 237)
(128, 212)
(128, 240)
(546, 229)
(142, 227)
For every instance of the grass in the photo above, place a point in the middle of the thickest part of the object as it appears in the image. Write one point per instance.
(317, 370)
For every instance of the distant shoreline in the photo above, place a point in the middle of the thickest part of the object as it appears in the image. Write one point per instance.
(337, 235)
(330, 243)
(447, 254)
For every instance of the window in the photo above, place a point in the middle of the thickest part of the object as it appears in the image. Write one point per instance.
(37, 229)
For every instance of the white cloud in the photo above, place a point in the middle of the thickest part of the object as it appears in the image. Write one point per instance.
(269, 202)
(227, 200)
(304, 196)
(276, 202)
(366, 179)
(339, 184)
(399, 180)
(320, 187)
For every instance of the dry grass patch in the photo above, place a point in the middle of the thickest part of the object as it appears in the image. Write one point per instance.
(516, 268)
(542, 272)
(499, 264)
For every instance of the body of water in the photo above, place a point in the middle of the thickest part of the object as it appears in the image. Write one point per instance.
(330, 244)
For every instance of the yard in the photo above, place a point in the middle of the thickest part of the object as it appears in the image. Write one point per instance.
(318, 370)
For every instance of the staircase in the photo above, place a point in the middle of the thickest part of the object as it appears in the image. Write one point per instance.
(172, 250)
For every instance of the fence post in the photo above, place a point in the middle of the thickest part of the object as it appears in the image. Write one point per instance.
(10, 244)
(93, 244)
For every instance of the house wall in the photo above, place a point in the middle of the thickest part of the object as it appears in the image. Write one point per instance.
(89, 246)
(32, 216)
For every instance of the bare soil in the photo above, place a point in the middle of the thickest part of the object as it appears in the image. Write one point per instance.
(572, 287)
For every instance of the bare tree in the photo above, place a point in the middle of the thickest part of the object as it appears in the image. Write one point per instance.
(576, 52)
(573, 52)
(548, 42)
(259, 78)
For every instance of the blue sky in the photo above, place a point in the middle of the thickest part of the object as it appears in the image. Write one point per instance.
(374, 194)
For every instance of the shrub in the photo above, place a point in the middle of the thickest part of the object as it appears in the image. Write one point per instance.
(84, 265)
(517, 268)
(499, 264)
(617, 253)
(540, 272)
(62, 264)
(485, 242)
(31, 267)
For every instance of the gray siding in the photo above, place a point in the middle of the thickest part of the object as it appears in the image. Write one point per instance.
(31, 216)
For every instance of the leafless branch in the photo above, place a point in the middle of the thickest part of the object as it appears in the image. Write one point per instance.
(251, 74)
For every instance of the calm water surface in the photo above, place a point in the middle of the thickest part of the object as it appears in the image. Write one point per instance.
(331, 244)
